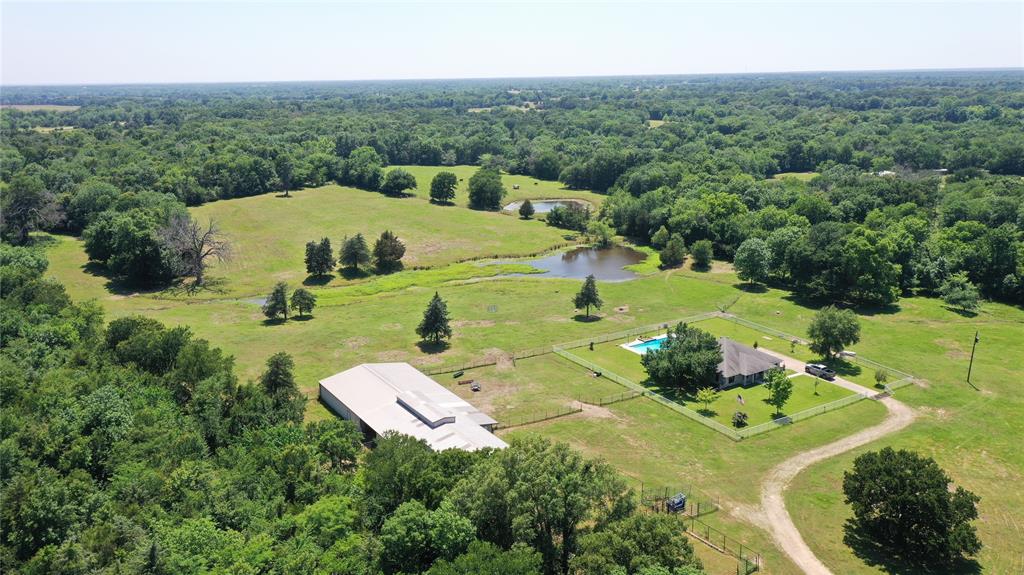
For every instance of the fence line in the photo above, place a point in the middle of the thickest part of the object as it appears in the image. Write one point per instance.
(615, 398)
(801, 415)
(750, 560)
(763, 328)
(708, 422)
(537, 417)
(632, 332)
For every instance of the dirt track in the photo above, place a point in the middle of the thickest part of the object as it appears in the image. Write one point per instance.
(772, 515)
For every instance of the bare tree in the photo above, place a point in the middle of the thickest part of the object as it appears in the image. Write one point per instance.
(195, 245)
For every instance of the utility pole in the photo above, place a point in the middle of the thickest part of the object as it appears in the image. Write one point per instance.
(971, 365)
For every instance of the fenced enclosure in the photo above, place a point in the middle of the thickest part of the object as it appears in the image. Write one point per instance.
(634, 389)
(749, 560)
(610, 399)
(538, 416)
(746, 432)
(698, 505)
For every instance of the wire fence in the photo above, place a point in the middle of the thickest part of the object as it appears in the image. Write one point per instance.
(538, 416)
(762, 328)
(697, 502)
(633, 332)
(610, 399)
(746, 432)
(749, 560)
(641, 390)
(698, 505)
(486, 361)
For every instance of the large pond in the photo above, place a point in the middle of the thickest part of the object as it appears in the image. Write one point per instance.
(606, 264)
(544, 206)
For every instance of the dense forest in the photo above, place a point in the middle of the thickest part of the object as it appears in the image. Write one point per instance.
(130, 447)
(914, 179)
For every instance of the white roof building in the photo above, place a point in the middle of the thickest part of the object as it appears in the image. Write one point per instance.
(381, 397)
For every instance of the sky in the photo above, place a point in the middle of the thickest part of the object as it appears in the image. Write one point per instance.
(166, 42)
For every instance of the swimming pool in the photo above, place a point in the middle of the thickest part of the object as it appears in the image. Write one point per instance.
(643, 347)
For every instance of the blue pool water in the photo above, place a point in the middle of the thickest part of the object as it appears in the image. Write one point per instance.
(644, 346)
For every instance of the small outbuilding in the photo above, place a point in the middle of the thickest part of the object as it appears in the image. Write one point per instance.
(381, 397)
(743, 365)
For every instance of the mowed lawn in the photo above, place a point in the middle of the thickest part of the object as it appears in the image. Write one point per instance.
(269, 233)
(613, 357)
(974, 435)
(531, 388)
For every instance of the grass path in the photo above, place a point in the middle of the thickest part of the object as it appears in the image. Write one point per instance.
(772, 515)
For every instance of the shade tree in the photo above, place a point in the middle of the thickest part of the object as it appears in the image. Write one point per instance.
(833, 330)
(442, 187)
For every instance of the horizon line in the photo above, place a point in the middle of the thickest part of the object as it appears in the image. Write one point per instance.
(496, 78)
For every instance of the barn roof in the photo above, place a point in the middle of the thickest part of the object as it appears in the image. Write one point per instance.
(398, 397)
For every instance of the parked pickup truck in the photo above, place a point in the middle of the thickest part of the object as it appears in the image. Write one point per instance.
(821, 371)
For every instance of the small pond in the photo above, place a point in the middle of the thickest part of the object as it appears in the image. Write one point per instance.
(606, 264)
(544, 206)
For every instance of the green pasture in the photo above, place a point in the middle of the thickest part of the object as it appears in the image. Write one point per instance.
(530, 388)
(269, 233)
(529, 188)
(974, 434)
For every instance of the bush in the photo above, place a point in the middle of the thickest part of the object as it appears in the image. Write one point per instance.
(739, 419)
(702, 252)
(570, 217)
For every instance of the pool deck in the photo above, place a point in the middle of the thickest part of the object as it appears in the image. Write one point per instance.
(640, 351)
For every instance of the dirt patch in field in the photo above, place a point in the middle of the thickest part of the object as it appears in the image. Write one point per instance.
(953, 349)
(620, 318)
(392, 355)
(473, 323)
(355, 342)
(391, 326)
(936, 412)
(718, 267)
(597, 412)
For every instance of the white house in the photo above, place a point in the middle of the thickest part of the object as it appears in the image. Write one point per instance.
(381, 397)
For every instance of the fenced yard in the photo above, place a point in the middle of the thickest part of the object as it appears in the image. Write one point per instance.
(542, 383)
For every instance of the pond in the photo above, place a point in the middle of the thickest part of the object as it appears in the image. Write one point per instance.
(606, 264)
(544, 206)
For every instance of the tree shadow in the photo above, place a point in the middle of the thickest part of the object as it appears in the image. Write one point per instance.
(707, 412)
(961, 312)
(751, 287)
(286, 196)
(843, 368)
(306, 317)
(877, 309)
(584, 318)
(886, 558)
(317, 280)
(699, 268)
(350, 273)
(445, 204)
(274, 321)
(393, 268)
(432, 347)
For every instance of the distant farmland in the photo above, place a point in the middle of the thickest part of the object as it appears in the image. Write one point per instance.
(40, 107)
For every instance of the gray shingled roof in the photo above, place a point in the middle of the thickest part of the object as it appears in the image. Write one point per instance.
(739, 359)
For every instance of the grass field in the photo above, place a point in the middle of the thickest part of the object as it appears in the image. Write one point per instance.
(434, 235)
(802, 176)
(974, 435)
(529, 188)
(40, 107)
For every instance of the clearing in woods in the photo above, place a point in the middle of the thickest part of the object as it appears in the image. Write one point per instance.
(974, 435)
